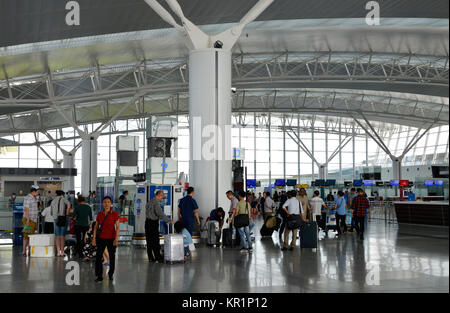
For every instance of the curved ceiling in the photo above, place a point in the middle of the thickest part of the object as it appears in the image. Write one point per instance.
(312, 57)
(30, 21)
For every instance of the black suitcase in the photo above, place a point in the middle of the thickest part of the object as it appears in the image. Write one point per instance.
(308, 235)
(266, 232)
(227, 238)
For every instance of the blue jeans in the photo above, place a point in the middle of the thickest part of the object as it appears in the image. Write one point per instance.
(61, 231)
(245, 232)
(252, 225)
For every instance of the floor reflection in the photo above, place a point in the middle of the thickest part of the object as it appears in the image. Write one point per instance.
(387, 261)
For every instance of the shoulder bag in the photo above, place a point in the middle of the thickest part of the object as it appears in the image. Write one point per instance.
(99, 230)
(242, 220)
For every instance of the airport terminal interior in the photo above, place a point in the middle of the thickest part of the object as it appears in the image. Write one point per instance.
(249, 123)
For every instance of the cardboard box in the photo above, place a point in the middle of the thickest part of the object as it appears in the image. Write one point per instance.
(42, 240)
(42, 252)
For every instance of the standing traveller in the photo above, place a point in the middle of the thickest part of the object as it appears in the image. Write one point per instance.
(187, 209)
(154, 213)
(303, 198)
(106, 235)
(60, 209)
(11, 201)
(241, 212)
(269, 204)
(261, 200)
(233, 204)
(340, 212)
(282, 213)
(122, 201)
(316, 204)
(350, 198)
(49, 198)
(83, 222)
(360, 205)
(292, 207)
(49, 220)
(276, 197)
(30, 215)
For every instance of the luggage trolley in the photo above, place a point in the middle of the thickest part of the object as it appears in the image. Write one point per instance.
(330, 217)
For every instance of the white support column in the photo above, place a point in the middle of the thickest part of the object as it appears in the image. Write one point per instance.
(340, 151)
(209, 102)
(397, 168)
(353, 153)
(254, 145)
(396, 171)
(209, 113)
(284, 148)
(69, 162)
(270, 148)
(298, 150)
(89, 164)
(323, 171)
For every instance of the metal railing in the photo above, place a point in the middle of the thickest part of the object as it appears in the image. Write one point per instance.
(382, 211)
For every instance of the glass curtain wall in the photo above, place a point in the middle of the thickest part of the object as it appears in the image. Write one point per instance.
(271, 148)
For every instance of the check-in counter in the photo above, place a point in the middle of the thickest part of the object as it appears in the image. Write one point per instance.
(420, 212)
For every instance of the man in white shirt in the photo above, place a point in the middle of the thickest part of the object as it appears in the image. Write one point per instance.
(269, 204)
(292, 207)
(315, 205)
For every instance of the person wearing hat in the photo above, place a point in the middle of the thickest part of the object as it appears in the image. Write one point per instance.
(30, 216)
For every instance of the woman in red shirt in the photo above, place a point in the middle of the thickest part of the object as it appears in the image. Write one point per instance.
(106, 234)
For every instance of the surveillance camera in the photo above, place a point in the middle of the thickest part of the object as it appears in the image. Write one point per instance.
(218, 44)
(233, 89)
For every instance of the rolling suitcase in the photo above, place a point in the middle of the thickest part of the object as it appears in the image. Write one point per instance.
(308, 235)
(227, 238)
(173, 248)
(213, 233)
(266, 232)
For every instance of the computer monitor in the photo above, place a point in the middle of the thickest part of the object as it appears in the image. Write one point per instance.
(291, 182)
(330, 182)
(357, 183)
(395, 182)
(439, 182)
(379, 184)
(368, 182)
(251, 183)
(280, 183)
(404, 183)
(429, 182)
(319, 183)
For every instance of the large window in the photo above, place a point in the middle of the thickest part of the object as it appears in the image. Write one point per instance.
(269, 151)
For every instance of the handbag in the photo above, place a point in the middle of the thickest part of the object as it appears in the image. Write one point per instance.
(242, 220)
(27, 230)
(61, 220)
(294, 221)
(99, 230)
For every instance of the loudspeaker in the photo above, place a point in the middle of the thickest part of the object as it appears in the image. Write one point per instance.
(159, 147)
(141, 177)
(127, 158)
(236, 164)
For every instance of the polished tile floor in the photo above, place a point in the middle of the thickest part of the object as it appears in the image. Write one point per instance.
(387, 261)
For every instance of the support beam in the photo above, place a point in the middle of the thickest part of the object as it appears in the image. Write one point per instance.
(374, 138)
(415, 140)
(339, 148)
